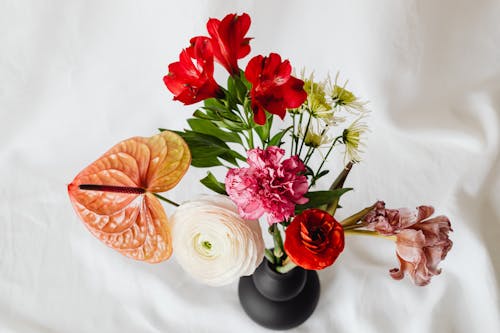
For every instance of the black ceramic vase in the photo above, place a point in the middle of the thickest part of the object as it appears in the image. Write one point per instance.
(279, 301)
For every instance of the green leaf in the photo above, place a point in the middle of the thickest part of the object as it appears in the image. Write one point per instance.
(231, 125)
(241, 88)
(205, 149)
(320, 198)
(208, 116)
(244, 80)
(231, 86)
(322, 173)
(212, 183)
(214, 104)
(205, 162)
(229, 157)
(205, 126)
(217, 113)
(264, 130)
(276, 139)
(309, 171)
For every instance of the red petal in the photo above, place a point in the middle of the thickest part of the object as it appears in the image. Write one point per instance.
(313, 255)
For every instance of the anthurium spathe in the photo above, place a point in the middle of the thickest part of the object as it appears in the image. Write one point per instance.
(115, 195)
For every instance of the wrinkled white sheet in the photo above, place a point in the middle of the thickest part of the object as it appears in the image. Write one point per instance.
(76, 77)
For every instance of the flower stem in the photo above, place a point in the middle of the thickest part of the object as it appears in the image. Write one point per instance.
(250, 138)
(305, 135)
(296, 135)
(269, 256)
(353, 219)
(173, 203)
(328, 154)
(309, 153)
(286, 267)
(368, 233)
(278, 244)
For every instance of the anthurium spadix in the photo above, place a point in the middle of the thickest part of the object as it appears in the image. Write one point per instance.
(115, 196)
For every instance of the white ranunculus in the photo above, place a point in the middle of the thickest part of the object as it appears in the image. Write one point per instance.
(213, 243)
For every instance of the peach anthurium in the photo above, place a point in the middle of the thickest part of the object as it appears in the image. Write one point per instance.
(114, 196)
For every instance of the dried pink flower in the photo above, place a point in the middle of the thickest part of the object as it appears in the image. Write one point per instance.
(389, 221)
(420, 244)
(268, 185)
(420, 248)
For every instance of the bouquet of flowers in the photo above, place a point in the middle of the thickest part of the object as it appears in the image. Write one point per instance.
(263, 171)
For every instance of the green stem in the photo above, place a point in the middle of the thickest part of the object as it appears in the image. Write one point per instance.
(368, 233)
(278, 244)
(173, 203)
(250, 138)
(354, 226)
(309, 153)
(293, 134)
(328, 154)
(269, 256)
(305, 135)
(353, 219)
(287, 266)
(297, 134)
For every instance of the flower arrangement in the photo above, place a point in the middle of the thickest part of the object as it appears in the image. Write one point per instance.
(269, 173)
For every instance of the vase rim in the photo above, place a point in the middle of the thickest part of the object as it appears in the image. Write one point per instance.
(277, 275)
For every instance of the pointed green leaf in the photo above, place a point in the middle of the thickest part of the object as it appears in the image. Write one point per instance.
(276, 139)
(264, 130)
(208, 127)
(320, 198)
(212, 183)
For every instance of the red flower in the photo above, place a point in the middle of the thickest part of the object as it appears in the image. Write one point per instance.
(314, 239)
(191, 78)
(228, 40)
(273, 88)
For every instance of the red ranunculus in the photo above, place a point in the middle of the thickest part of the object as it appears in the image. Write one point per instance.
(273, 88)
(314, 239)
(228, 40)
(191, 78)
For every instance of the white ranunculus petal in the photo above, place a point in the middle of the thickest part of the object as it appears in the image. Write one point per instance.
(213, 243)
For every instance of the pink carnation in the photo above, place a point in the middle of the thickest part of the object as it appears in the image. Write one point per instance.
(268, 185)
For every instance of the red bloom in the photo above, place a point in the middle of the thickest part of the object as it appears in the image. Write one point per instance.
(314, 239)
(191, 78)
(273, 88)
(228, 40)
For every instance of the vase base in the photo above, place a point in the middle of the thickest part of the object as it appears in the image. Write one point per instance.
(279, 315)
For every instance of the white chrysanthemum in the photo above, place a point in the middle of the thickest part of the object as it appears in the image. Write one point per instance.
(353, 140)
(344, 99)
(213, 243)
(317, 135)
(317, 103)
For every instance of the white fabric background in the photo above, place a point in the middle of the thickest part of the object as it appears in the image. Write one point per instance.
(76, 77)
